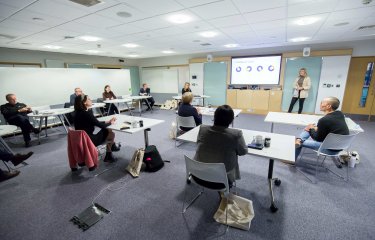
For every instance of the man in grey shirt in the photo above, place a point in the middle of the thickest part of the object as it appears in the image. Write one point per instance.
(220, 144)
(77, 92)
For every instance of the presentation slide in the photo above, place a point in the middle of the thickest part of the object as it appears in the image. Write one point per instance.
(256, 70)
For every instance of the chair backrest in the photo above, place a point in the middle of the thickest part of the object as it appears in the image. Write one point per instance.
(39, 108)
(67, 105)
(99, 100)
(187, 122)
(212, 172)
(337, 142)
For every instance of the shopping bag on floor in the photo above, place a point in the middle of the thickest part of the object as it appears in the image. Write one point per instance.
(135, 164)
(240, 212)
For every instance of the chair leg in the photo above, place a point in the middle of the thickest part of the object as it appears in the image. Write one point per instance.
(6, 165)
(191, 201)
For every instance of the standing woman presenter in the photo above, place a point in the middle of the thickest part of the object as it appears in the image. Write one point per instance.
(301, 87)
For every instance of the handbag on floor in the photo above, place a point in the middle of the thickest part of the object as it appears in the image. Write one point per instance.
(240, 212)
(135, 164)
(152, 159)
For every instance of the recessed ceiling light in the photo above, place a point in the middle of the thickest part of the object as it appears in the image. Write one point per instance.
(90, 38)
(133, 55)
(341, 24)
(52, 47)
(208, 34)
(130, 45)
(232, 45)
(93, 51)
(299, 39)
(179, 18)
(124, 14)
(168, 52)
(26, 43)
(306, 21)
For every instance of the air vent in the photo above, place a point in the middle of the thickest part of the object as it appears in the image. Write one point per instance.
(5, 36)
(366, 27)
(87, 3)
(206, 44)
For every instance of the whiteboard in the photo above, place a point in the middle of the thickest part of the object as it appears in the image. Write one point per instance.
(49, 86)
(332, 79)
(161, 80)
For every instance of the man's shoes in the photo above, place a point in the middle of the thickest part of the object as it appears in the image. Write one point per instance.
(19, 158)
(337, 162)
(7, 175)
(109, 157)
(27, 144)
(115, 148)
(148, 109)
(36, 130)
(298, 143)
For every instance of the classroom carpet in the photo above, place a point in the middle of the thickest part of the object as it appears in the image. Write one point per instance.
(39, 203)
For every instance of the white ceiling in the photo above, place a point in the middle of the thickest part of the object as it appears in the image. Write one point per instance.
(250, 24)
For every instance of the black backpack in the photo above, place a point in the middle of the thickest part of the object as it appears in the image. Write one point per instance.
(152, 159)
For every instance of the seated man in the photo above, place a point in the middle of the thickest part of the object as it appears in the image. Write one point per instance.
(220, 144)
(15, 113)
(77, 92)
(333, 122)
(186, 110)
(6, 154)
(145, 91)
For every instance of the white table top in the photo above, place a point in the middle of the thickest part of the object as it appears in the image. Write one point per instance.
(180, 96)
(282, 146)
(51, 112)
(7, 129)
(304, 119)
(211, 111)
(94, 105)
(139, 97)
(118, 100)
(122, 120)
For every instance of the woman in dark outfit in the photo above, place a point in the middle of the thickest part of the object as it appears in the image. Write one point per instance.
(85, 120)
(186, 88)
(109, 95)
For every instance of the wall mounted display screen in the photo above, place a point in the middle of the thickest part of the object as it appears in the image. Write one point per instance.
(261, 70)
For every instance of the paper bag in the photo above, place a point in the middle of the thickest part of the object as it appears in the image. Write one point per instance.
(135, 164)
(240, 212)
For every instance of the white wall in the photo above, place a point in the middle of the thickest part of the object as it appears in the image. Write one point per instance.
(196, 71)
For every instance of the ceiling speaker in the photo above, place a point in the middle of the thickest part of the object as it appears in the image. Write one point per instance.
(209, 58)
(306, 52)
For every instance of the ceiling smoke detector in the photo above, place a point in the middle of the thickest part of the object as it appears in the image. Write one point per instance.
(87, 3)
(365, 2)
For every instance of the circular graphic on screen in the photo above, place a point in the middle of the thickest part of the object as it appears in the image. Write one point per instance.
(238, 69)
(249, 68)
(271, 68)
(259, 68)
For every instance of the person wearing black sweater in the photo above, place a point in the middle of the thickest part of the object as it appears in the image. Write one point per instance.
(186, 88)
(333, 122)
(85, 120)
(15, 113)
(145, 91)
(186, 110)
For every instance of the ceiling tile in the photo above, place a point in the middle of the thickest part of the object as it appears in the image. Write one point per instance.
(44, 20)
(6, 11)
(112, 13)
(266, 15)
(17, 3)
(246, 6)
(151, 23)
(352, 13)
(103, 5)
(228, 21)
(350, 4)
(215, 10)
(58, 10)
(311, 8)
(155, 7)
(193, 3)
(236, 29)
(277, 24)
(96, 21)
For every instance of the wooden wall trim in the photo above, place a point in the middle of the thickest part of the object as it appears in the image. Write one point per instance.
(215, 59)
(21, 63)
(321, 53)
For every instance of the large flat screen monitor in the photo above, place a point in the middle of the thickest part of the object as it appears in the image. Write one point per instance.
(260, 70)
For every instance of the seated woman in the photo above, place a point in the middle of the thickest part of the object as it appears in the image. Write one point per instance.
(186, 88)
(85, 120)
(187, 110)
(109, 95)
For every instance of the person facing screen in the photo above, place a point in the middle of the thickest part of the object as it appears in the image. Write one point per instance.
(85, 120)
(301, 88)
(186, 88)
(109, 95)
(77, 92)
(187, 110)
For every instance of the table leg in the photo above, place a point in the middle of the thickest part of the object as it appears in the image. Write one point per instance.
(109, 107)
(67, 120)
(63, 123)
(130, 111)
(272, 127)
(277, 183)
(146, 136)
(140, 107)
(40, 128)
(45, 125)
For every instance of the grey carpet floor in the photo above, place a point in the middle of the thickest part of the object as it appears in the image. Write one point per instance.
(40, 201)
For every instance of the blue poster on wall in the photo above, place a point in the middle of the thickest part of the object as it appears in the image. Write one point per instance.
(313, 67)
(366, 84)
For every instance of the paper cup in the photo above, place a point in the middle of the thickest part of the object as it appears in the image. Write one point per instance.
(352, 162)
